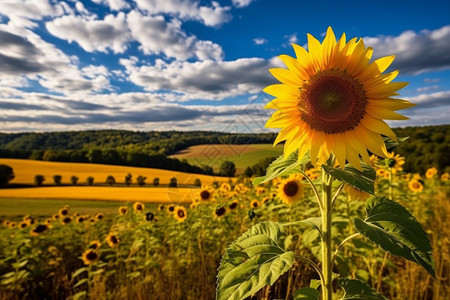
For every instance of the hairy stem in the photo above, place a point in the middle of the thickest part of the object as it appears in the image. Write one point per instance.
(327, 266)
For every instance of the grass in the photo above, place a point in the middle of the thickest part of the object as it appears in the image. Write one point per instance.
(46, 207)
(242, 155)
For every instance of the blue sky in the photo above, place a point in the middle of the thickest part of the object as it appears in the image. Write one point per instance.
(196, 65)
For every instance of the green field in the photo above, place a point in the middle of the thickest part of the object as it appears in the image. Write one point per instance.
(242, 155)
(38, 208)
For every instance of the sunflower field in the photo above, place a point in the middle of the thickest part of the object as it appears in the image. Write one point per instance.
(170, 251)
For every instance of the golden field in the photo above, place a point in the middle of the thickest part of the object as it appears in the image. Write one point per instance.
(25, 170)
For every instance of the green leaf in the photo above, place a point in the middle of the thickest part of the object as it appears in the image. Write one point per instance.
(358, 290)
(390, 226)
(363, 181)
(78, 272)
(282, 166)
(80, 295)
(253, 261)
(80, 282)
(314, 222)
(390, 143)
(315, 283)
(306, 293)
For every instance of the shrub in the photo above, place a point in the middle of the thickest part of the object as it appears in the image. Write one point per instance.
(173, 182)
(141, 180)
(57, 179)
(39, 179)
(110, 180)
(156, 181)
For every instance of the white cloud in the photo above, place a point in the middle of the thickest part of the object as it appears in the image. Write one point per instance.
(241, 3)
(260, 41)
(431, 80)
(213, 15)
(113, 4)
(157, 36)
(436, 99)
(93, 35)
(428, 88)
(210, 80)
(427, 50)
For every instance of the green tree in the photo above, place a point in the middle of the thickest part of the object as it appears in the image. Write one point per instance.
(141, 180)
(173, 182)
(248, 172)
(39, 179)
(110, 180)
(197, 182)
(156, 181)
(128, 179)
(227, 168)
(57, 179)
(74, 180)
(90, 180)
(6, 174)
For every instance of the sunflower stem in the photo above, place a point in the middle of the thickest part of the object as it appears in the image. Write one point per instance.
(327, 268)
(316, 193)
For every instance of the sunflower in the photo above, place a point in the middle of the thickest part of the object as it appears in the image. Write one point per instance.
(431, 172)
(48, 221)
(90, 257)
(94, 245)
(356, 194)
(55, 216)
(23, 224)
(123, 210)
(290, 190)
(63, 211)
(373, 160)
(240, 189)
(66, 220)
(161, 207)
(171, 209)
(395, 162)
(138, 207)
(225, 187)
(99, 216)
(233, 205)
(206, 193)
(259, 190)
(265, 200)
(39, 229)
(6, 223)
(332, 100)
(112, 240)
(415, 186)
(12, 224)
(180, 214)
(444, 177)
(254, 204)
(313, 173)
(382, 173)
(149, 216)
(80, 219)
(219, 212)
(53, 250)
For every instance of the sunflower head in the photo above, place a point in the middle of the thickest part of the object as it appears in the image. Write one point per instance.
(90, 257)
(394, 162)
(39, 229)
(356, 194)
(431, 172)
(332, 100)
(180, 213)
(112, 240)
(233, 205)
(23, 224)
(12, 224)
(415, 186)
(138, 207)
(94, 245)
(219, 212)
(149, 216)
(123, 210)
(171, 208)
(290, 190)
(99, 216)
(66, 220)
(80, 219)
(254, 204)
(206, 193)
(444, 177)
(225, 187)
(161, 207)
(5, 223)
(63, 211)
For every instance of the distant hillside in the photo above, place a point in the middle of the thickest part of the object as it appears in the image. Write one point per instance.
(427, 146)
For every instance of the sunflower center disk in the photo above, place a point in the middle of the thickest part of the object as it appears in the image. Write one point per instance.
(290, 189)
(332, 102)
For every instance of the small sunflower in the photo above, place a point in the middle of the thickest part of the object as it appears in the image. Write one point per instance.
(112, 240)
(373, 160)
(206, 193)
(99, 216)
(254, 204)
(39, 229)
(12, 224)
(149, 216)
(53, 250)
(431, 172)
(55, 216)
(171, 208)
(23, 224)
(240, 189)
(219, 212)
(415, 186)
(383, 173)
(265, 200)
(259, 190)
(444, 177)
(333, 99)
(161, 207)
(313, 173)
(80, 219)
(180, 213)
(233, 205)
(63, 211)
(138, 207)
(48, 221)
(90, 257)
(6, 223)
(66, 220)
(94, 245)
(225, 187)
(395, 162)
(356, 194)
(123, 210)
(290, 190)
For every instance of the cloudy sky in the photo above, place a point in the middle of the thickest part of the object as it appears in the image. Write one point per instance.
(196, 65)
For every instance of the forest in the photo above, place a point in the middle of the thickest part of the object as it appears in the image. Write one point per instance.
(426, 146)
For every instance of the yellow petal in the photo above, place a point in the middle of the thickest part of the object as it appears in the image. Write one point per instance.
(287, 77)
(390, 103)
(384, 113)
(282, 91)
(378, 126)
(293, 65)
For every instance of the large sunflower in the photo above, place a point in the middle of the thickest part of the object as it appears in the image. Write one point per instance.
(333, 100)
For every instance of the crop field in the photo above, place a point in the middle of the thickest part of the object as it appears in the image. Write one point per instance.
(72, 249)
(242, 155)
(25, 170)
